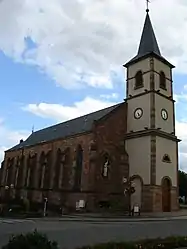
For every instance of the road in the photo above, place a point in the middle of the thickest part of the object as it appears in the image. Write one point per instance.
(72, 234)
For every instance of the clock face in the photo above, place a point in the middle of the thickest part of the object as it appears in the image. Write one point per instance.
(164, 114)
(138, 113)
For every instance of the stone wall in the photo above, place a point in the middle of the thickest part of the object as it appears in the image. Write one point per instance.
(106, 137)
(152, 199)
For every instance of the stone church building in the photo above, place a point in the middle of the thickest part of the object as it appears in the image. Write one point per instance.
(88, 157)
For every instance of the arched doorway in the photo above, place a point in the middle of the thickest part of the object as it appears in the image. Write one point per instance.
(136, 197)
(166, 194)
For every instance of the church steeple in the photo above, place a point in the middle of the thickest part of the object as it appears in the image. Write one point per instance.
(148, 44)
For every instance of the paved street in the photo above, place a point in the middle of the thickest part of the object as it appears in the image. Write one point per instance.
(72, 234)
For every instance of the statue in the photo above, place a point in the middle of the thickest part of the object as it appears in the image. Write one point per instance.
(105, 168)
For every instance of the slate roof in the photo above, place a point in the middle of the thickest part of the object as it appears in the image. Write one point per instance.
(148, 44)
(69, 128)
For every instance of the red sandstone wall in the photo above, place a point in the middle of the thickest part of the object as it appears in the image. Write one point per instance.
(108, 134)
(109, 137)
(83, 140)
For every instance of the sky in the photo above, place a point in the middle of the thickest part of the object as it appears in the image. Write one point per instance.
(61, 59)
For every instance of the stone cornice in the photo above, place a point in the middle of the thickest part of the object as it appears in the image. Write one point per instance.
(150, 132)
(150, 91)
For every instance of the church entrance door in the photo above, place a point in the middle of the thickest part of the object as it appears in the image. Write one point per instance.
(166, 195)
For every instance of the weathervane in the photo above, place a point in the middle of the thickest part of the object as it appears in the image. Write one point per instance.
(147, 1)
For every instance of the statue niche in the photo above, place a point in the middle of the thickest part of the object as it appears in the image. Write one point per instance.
(105, 165)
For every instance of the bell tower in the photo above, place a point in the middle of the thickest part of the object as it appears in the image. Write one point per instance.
(150, 141)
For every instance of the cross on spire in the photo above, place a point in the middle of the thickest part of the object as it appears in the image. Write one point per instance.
(33, 129)
(147, 2)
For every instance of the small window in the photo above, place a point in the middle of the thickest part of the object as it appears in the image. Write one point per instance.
(162, 80)
(166, 158)
(138, 79)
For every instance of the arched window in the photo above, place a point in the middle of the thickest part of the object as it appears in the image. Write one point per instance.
(57, 168)
(61, 169)
(42, 168)
(10, 172)
(66, 160)
(17, 172)
(162, 80)
(78, 168)
(166, 158)
(7, 172)
(1, 172)
(31, 169)
(139, 79)
(20, 173)
(47, 165)
(28, 173)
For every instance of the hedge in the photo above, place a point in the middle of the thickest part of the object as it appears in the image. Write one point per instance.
(37, 240)
(159, 243)
(32, 240)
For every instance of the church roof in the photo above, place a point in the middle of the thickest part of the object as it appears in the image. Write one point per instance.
(148, 44)
(69, 128)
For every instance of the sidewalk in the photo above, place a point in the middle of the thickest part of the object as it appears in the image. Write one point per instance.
(95, 217)
(181, 212)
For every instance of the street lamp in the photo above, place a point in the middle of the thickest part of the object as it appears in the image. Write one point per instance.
(129, 190)
(45, 206)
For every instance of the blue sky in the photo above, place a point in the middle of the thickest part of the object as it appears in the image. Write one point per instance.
(23, 84)
(60, 60)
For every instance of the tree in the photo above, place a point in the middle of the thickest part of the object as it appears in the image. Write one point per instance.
(182, 183)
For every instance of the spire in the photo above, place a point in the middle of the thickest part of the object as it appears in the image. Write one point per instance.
(148, 42)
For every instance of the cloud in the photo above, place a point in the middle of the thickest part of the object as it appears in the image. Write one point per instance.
(180, 97)
(59, 112)
(79, 42)
(109, 96)
(9, 138)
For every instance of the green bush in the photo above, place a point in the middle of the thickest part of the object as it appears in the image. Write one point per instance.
(33, 240)
(159, 243)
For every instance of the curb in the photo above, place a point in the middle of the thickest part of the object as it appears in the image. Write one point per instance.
(110, 220)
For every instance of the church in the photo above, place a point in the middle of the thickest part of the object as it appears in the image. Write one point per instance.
(95, 157)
